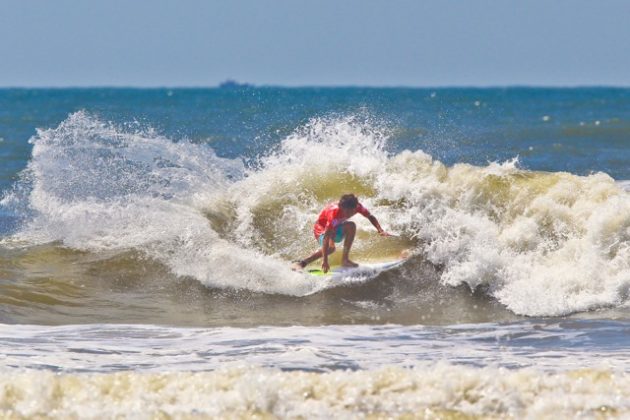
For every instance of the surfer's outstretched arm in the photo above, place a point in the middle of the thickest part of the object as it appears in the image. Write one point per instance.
(377, 225)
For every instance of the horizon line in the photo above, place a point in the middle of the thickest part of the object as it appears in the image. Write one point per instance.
(245, 85)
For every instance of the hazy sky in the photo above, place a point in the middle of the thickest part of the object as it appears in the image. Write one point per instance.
(317, 42)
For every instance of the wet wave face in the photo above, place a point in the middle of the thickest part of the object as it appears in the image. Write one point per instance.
(171, 222)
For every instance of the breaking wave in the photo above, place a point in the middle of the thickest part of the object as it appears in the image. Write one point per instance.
(540, 243)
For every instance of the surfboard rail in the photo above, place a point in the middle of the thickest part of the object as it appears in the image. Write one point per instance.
(367, 269)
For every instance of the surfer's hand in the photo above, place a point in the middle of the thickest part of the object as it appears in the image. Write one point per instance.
(383, 233)
(325, 267)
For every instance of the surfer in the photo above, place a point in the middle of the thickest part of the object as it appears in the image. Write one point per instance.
(332, 227)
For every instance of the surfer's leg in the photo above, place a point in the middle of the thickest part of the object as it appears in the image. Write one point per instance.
(314, 256)
(349, 229)
(318, 254)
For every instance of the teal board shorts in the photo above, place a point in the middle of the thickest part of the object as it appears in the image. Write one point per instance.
(338, 235)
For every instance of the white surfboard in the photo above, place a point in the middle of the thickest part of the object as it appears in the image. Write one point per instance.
(363, 270)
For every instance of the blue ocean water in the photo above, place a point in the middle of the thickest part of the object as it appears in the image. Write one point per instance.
(164, 222)
(577, 130)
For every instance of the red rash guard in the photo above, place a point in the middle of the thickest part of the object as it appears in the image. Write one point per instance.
(330, 218)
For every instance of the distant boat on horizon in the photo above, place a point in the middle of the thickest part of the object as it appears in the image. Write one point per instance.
(233, 84)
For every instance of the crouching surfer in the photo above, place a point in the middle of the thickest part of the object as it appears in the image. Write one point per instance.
(332, 227)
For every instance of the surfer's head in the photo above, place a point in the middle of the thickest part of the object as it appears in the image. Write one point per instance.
(348, 203)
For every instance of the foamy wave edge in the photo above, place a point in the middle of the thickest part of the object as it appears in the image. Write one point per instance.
(438, 391)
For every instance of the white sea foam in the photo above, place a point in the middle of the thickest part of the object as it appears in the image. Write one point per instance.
(98, 187)
(525, 369)
(437, 391)
(540, 243)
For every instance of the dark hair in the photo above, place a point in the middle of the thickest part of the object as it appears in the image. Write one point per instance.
(348, 201)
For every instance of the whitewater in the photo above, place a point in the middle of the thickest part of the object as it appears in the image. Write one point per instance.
(541, 244)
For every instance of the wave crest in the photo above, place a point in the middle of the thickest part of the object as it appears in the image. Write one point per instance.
(540, 243)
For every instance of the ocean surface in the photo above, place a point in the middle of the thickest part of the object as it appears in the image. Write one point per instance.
(146, 237)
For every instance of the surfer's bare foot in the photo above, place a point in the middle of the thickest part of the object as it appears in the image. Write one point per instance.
(348, 263)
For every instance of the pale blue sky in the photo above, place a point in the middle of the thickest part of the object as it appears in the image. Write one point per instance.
(323, 42)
